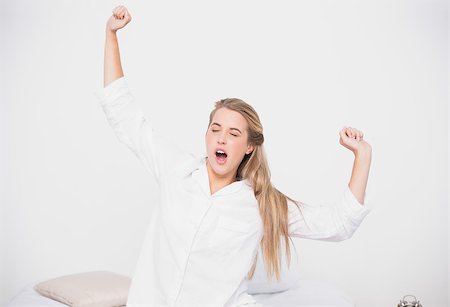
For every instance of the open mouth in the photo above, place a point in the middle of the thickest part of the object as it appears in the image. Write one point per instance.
(221, 156)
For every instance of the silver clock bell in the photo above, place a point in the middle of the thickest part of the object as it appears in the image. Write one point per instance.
(408, 302)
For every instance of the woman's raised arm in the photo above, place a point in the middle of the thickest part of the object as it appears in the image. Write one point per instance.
(124, 113)
(112, 65)
(339, 221)
(352, 139)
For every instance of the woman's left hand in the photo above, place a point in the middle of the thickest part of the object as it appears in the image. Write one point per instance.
(352, 139)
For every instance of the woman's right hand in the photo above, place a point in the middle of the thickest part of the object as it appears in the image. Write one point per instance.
(119, 19)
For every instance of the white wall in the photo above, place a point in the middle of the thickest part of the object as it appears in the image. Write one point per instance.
(74, 199)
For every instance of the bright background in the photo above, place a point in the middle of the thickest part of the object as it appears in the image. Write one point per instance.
(74, 199)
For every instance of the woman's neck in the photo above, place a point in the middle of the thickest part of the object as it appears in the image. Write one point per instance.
(217, 182)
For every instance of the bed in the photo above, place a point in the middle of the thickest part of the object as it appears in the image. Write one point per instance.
(305, 293)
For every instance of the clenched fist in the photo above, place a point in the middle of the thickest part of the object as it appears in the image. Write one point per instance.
(119, 19)
(352, 139)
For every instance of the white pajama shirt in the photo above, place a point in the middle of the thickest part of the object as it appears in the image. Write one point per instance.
(199, 247)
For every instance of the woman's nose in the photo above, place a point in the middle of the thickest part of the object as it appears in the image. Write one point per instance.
(221, 139)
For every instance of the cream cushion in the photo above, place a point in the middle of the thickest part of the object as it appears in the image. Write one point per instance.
(89, 289)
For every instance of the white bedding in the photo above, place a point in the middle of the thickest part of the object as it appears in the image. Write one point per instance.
(307, 293)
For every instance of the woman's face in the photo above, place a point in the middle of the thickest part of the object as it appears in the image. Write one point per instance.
(227, 132)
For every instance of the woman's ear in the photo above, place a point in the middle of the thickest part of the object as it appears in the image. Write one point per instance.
(250, 149)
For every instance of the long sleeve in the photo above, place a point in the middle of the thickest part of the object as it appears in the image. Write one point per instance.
(133, 129)
(328, 223)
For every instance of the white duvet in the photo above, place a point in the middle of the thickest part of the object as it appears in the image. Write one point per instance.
(306, 293)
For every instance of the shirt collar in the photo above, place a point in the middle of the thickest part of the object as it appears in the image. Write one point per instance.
(202, 177)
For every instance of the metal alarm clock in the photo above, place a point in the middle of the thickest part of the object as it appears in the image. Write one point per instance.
(409, 303)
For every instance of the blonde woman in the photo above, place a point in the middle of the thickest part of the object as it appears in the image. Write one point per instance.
(217, 210)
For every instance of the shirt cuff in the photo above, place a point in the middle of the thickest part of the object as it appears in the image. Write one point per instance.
(104, 93)
(355, 206)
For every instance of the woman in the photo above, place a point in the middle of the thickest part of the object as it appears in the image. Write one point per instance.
(215, 211)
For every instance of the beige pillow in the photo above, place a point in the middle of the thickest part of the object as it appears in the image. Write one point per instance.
(89, 289)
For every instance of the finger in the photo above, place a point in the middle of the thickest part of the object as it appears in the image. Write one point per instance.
(349, 132)
(343, 133)
(359, 134)
(123, 10)
(122, 13)
(119, 13)
(117, 10)
(346, 132)
(127, 16)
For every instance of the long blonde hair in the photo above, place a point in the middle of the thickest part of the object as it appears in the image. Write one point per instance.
(273, 205)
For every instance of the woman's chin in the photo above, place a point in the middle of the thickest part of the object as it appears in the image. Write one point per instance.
(221, 168)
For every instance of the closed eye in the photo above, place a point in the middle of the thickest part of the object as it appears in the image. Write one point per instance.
(230, 133)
